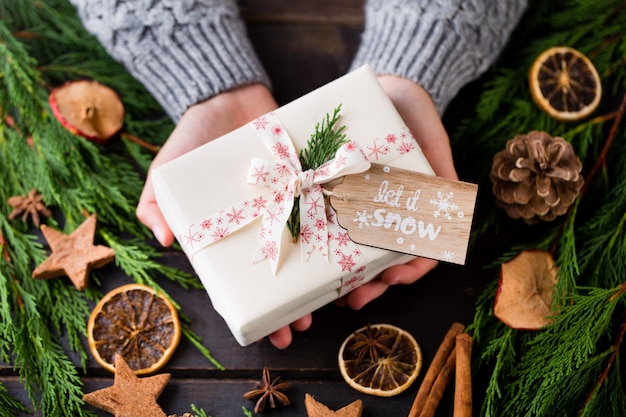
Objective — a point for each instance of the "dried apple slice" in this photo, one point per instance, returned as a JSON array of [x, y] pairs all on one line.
[[525, 290], [88, 108]]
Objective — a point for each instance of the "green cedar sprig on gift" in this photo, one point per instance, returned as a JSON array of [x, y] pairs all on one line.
[[571, 367], [320, 148]]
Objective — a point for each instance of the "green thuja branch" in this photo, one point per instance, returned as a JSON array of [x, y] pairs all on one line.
[[8, 405], [571, 367], [43, 44], [320, 148]]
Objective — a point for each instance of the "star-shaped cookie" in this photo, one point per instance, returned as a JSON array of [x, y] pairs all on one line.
[[74, 255], [317, 409], [130, 396]]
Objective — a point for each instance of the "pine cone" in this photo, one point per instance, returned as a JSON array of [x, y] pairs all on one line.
[[537, 177]]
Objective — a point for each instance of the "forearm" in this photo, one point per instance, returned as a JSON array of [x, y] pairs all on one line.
[[441, 45], [183, 54]]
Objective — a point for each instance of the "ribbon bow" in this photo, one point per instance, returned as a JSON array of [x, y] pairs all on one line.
[[319, 229], [284, 175]]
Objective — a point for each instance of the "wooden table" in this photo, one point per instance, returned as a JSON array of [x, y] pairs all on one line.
[[303, 45], [425, 309]]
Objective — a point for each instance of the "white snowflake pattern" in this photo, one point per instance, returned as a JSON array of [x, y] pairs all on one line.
[[447, 256], [362, 218], [444, 206]]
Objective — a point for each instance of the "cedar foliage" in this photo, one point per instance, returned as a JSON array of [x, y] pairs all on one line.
[[43, 44], [573, 367]]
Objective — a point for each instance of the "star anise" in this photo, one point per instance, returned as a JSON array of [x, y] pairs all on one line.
[[268, 391], [28, 205], [372, 342]]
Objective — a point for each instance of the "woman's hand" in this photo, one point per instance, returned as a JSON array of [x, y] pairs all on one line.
[[421, 117], [200, 124]]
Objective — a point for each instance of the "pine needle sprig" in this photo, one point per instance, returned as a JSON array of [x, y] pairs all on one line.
[[567, 368], [324, 142], [44, 44], [320, 148], [10, 406]]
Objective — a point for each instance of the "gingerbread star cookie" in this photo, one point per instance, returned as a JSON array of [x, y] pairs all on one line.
[[317, 409], [74, 255], [130, 396]]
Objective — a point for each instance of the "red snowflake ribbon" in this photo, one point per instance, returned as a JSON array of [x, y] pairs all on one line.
[[319, 229]]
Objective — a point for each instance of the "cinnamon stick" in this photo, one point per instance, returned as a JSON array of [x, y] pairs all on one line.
[[463, 379], [439, 361], [439, 386]]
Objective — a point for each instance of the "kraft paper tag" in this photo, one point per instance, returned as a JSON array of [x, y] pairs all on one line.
[[407, 211]]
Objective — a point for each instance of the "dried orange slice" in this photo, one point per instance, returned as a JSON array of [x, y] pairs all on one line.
[[380, 359], [137, 323], [565, 84]]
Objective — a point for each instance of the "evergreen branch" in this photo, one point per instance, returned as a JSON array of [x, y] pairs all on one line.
[[615, 349], [8, 405], [198, 412], [320, 148], [601, 160], [197, 342]]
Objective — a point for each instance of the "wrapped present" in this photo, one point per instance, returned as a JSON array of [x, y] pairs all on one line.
[[227, 203]]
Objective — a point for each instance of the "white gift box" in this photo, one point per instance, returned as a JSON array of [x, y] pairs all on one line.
[[253, 300]]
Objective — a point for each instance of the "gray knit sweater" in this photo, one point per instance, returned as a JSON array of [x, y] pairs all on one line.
[[185, 51]]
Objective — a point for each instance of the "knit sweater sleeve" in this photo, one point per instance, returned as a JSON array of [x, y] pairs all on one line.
[[440, 44], [183, 51]]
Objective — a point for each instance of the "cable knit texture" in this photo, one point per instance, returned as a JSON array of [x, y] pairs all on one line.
[[183, 51], [440, 44]]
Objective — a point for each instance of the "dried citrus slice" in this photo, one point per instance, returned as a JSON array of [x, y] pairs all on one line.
[[137, 323], [565, 84], [380, 359]]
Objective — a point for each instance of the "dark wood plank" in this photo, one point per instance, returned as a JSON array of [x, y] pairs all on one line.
[[303, 45], [346, 12], [426, 309]]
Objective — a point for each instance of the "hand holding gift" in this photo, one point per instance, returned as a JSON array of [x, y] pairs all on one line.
[[420, 115], [192, 132]]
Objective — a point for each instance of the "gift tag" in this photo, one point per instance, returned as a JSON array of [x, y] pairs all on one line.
[[407, 211]]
